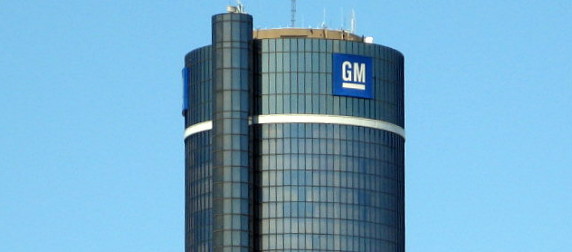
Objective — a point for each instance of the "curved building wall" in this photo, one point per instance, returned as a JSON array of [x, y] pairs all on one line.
[[296, 77], [198, 64], [232, 85], [327, 186], [198, 152]]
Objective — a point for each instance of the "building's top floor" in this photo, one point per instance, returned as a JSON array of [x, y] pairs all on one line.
[[309, 33], [319, 33]]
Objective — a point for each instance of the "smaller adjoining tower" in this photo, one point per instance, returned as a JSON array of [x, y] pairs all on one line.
[[232, 176]]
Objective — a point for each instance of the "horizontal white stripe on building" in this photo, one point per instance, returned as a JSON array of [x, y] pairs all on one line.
[[353, 86], [308, 118], [198, 127]]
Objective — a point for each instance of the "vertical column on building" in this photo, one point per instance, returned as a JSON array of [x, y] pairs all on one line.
[[232, 176]]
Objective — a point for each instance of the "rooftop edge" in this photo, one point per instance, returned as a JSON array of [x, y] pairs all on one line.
[[309, 33]]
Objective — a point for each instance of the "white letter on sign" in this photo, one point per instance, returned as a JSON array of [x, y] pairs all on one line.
[[347, 71], [359, 72]]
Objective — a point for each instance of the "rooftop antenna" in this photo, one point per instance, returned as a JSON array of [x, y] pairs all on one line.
[[240, 6], [323, 25], [342, 26], [293, 14], [353, 22]]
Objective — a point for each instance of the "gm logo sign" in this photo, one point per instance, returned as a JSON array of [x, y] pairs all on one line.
[[352, 75]]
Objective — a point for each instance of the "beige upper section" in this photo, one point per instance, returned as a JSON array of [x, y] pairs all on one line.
[[306, 33]]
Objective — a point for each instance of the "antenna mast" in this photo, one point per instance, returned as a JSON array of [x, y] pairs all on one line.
[[240, 6], [323, 25], [353, 22], [293, 14]]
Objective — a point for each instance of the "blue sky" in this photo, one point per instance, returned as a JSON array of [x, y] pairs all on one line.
[[91, 149]]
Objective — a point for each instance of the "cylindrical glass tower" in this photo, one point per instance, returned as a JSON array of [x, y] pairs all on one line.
[[302, 149]]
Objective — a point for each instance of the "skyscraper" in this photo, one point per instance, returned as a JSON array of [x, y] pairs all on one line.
[[294, 140]]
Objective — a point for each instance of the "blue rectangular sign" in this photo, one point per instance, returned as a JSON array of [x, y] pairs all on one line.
[[186, 83], [353, 75]]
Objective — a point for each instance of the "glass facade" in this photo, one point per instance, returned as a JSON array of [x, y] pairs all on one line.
[[198, 191], [290, 186], [294, 77], [198, 153], [328, 187], [232, 173]]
